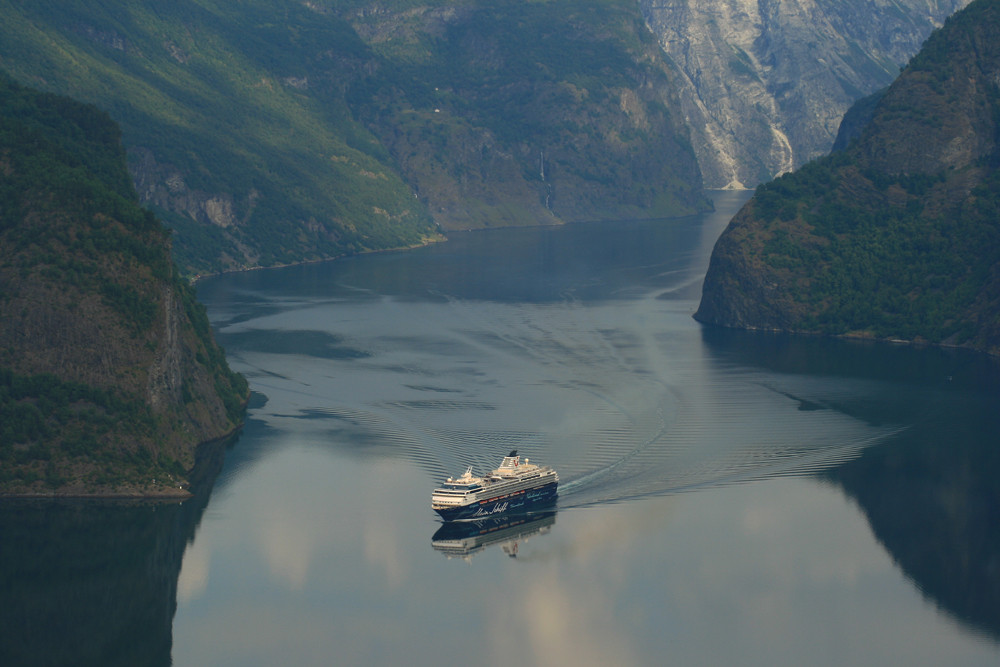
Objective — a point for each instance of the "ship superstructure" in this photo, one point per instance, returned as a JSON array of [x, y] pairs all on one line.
[[512, 487]]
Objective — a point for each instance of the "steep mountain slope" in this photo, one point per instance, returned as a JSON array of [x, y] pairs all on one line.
[[898, 236], [274, 131], [109, 377], [506, 112], [229, 140], [765, 82]]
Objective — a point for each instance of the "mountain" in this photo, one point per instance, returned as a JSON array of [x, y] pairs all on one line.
[[268, 132], [109, 376], [505, 112], [229, 140], [898, 235], [764, 83]]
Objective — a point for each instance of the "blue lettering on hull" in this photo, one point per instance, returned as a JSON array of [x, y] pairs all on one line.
[[520, 501]]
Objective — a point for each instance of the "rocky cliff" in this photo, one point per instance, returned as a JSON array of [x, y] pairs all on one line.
[[765, 82], [897, 236], [109, 377]]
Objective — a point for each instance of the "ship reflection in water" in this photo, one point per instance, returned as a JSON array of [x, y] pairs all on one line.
[[465, 539]]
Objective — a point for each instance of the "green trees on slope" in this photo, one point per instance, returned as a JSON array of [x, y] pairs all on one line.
[[896, 236], [91, 310]]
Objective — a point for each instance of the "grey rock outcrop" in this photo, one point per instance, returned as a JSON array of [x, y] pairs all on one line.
[[163, 186], [766, 82]]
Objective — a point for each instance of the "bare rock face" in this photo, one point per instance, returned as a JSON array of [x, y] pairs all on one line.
[[766, 82], [163, 185], [166, 379]]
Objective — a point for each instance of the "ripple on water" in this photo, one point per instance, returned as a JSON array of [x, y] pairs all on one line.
[[620, 397]]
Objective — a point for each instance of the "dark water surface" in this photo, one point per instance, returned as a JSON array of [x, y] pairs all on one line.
[[726, 497]]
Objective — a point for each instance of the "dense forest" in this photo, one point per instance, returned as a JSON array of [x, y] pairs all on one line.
[[898, 235], [109, 376]]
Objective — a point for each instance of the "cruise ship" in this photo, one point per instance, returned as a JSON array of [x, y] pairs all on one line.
[[513, 487]]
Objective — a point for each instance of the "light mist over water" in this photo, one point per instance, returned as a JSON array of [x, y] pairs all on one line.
[[726, 497], [376, 377], [575, 346]]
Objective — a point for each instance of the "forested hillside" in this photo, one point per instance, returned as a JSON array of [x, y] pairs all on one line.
[[109, 376], [896, 237], [249, 160], [268, 132]]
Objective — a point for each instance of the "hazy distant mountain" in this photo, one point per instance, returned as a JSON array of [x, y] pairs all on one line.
[[109, 376], [503, 112], [275, 131], [765, 82], [898, 236]]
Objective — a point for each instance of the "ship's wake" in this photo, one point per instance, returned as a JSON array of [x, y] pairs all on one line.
[[623, 398]]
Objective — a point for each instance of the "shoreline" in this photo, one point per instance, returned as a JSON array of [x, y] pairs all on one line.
[[858, 338], [209, 457], [442, 237], [195, 279]]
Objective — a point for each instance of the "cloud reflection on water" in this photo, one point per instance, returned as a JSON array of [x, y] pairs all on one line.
[[323, 514]]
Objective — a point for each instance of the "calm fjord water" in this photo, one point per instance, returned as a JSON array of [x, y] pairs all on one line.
[[726, 497]]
